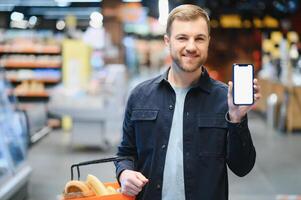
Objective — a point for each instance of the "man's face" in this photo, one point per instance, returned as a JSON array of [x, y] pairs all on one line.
[[188, 43]]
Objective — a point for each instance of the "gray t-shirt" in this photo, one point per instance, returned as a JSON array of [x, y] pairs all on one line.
[[173, 176]]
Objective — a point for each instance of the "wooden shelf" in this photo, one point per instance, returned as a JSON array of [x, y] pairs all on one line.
[[22, 64], [30, 50], [29, 94], [44, 80]]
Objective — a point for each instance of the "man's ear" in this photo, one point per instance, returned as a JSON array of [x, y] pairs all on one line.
[[166, 40]]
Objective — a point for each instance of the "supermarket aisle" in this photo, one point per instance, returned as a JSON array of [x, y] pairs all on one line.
[[277, 170]]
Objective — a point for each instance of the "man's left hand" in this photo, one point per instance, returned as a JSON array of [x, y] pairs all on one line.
[[236, 113]]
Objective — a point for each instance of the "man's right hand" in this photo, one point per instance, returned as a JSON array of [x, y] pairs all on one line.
[[132, 182]]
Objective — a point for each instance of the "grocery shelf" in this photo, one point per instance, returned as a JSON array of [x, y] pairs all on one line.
[[34, 50], [29, 94], [43, 80], [22, 64], [32, 61]]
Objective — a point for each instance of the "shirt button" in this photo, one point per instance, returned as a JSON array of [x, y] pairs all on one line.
[[187, 153], [163, 146], [158, 186], [170, 107], [187, 114]]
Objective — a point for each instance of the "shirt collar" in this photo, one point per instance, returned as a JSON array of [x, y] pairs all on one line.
[[203, 83]]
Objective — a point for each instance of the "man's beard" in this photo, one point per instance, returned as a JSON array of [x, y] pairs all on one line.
[[181, 67]]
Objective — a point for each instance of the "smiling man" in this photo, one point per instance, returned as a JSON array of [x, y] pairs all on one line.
[[181, 127]]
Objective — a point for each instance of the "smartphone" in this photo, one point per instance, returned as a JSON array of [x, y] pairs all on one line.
[[243, 90]]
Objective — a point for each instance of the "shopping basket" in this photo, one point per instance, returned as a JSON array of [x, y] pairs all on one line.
[[115, 185]]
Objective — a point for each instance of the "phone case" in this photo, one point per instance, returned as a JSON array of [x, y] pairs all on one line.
[[233, 90]]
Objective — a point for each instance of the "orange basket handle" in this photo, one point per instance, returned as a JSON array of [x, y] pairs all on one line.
[[103, 160]]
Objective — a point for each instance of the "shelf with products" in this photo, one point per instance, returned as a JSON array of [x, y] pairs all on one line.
[[30, 49], [30, 88], [29, 94], [280, 80], [32, 61], [47, 76], [44, 80]]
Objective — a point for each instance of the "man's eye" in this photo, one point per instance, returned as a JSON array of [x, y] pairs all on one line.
[[200, 39], [181, 38]]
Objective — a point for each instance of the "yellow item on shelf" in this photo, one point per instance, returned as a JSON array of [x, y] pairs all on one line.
[[66, 123], [292, 36], [276, 37]]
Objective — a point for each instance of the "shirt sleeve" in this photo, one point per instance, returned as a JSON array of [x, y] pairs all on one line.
[[127, 146], [241, 153]]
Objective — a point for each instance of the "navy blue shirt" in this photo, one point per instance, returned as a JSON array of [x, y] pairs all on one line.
[[210, 141]]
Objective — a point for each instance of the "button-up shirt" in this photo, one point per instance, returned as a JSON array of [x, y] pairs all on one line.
[[210, 141]]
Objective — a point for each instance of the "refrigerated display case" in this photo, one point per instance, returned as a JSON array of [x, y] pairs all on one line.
[[14, 171]]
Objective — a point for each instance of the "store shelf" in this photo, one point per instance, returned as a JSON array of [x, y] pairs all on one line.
[[44, 80], [21, 64], [30, 50], [29, 94], [32, 62]]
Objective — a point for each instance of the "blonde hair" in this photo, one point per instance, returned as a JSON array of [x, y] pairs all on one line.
[[187, 12]]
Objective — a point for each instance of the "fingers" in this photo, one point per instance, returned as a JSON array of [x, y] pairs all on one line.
[[230, 87], [130, 189], [230, 84], [257, 97], [141, 178], [129, 192], [132, 182], [257, 94], [256, 86]]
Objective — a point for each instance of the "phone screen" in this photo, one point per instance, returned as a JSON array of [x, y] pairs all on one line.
[[243, 93]]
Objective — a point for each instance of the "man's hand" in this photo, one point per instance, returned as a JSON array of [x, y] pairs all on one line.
[[236, 113], [132, 182]]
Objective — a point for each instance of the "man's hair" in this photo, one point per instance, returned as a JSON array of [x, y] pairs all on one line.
[[187, 12]]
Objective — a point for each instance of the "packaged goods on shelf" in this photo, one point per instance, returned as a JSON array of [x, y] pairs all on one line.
[[32, 56]]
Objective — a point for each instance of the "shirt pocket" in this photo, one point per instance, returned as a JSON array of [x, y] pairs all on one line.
[[145, 122], [144, 115], [212, 135]]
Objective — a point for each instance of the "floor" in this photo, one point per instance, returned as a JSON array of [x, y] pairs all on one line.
[[277, 170]]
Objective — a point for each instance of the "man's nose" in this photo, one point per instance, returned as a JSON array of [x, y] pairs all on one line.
[[191, 45]]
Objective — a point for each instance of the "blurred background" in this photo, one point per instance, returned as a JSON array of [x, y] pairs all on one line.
[[67, 66]]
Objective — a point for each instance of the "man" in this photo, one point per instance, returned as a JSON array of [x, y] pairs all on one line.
[[182, 128]]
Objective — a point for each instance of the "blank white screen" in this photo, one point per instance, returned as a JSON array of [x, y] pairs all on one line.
[[243, 84]]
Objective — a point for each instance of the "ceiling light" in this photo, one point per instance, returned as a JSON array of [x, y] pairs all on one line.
[[96, 16], [60, 25], [129, 1], [63, 4], [75, 1], [17, 16], [33, 20], [95, 24]]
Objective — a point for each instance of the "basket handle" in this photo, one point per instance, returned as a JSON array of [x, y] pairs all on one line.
[[104, 160]]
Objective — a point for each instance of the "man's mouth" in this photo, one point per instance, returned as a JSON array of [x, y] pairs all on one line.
[[190, 56]]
